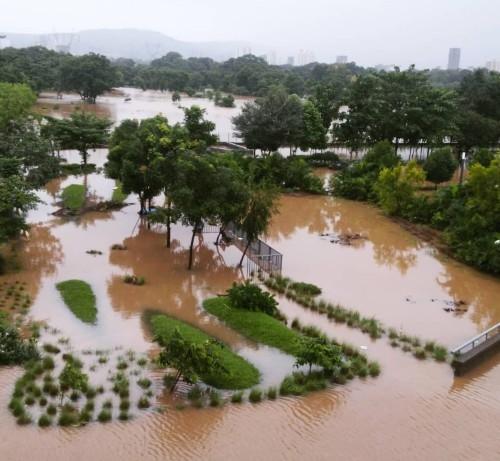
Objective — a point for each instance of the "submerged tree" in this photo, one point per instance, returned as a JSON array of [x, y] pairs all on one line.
[[89, 75], [190, 360], [317, 351], [260, 209], [82, 131]]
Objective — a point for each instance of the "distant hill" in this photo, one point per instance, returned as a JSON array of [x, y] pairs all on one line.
[[142, 45]]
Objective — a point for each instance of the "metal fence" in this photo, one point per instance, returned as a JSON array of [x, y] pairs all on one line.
[[260, 253]]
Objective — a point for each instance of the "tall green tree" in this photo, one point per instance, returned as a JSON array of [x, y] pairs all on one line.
[[200, 131], [89, 75], [16, 101], [81, 131], [132, 155]]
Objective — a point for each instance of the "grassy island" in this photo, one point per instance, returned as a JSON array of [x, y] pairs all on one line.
[[80, 298]]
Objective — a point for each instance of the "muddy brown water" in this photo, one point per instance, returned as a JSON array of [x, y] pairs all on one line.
[[413, 410]]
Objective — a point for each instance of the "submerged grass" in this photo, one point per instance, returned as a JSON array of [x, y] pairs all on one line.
[[118, 195], [241, 374], [304, 294], [79, 297], [257, 326], [73, 197]]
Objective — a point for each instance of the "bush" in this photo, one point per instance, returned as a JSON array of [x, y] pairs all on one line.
[[237, 397], [215, 398], [68, 418], [44, 421], [305, 289], [420, 353], [104, 416], [374, 369], [15, 350], [440, 353], [440, 165], [250, 297], [143, 403], [272, 393], [255, 395], [51, 409]]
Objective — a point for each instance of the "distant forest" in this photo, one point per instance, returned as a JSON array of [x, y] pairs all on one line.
[[248, 75]]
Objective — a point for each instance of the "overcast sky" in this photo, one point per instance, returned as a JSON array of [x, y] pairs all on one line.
[[368, 31]]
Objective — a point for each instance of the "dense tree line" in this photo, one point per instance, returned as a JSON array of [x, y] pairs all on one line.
[[468, 215]]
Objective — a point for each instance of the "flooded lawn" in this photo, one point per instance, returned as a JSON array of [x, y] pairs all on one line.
[[413, 410]]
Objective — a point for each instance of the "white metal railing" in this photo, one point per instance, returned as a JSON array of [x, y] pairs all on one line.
[[477, 340]]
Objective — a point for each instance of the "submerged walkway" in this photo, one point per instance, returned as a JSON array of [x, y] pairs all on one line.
[[472, 351]]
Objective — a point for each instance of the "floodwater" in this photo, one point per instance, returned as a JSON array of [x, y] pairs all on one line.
[[413, 410], [144, 104]]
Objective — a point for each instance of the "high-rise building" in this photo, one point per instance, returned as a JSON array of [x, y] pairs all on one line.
[[493, 65], [341, 59], [305, 57], [271, 58], [454, 59], [290, 61]]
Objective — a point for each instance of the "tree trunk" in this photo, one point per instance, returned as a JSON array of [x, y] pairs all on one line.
[[142, 203], [221, 230], [190, 265], [243, 255], [169, 207], [174, 385]]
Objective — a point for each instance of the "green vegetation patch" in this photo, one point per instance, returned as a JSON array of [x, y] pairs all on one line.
[[118, 195], [257, 326], [80, 298], [241, 374], [73, 197]]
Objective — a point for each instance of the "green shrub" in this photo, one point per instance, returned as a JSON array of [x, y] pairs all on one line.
[[24, 419], [272, 393], [144, 383], [44, 420], [124, 404], [123, 416], [15, 350], [51, 349], [68, 418], [89, 406], [52, 409], [215, 398], [43, 402], [48, 363], [255, 395], [374, 369], [237, 397], [194, 393], [143, 403], [420, 353], [250, 297], [17, 407], [305, 289], [104, 416], [440, 353], [108, 404]]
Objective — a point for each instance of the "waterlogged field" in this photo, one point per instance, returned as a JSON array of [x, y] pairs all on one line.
[[413, 410]]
